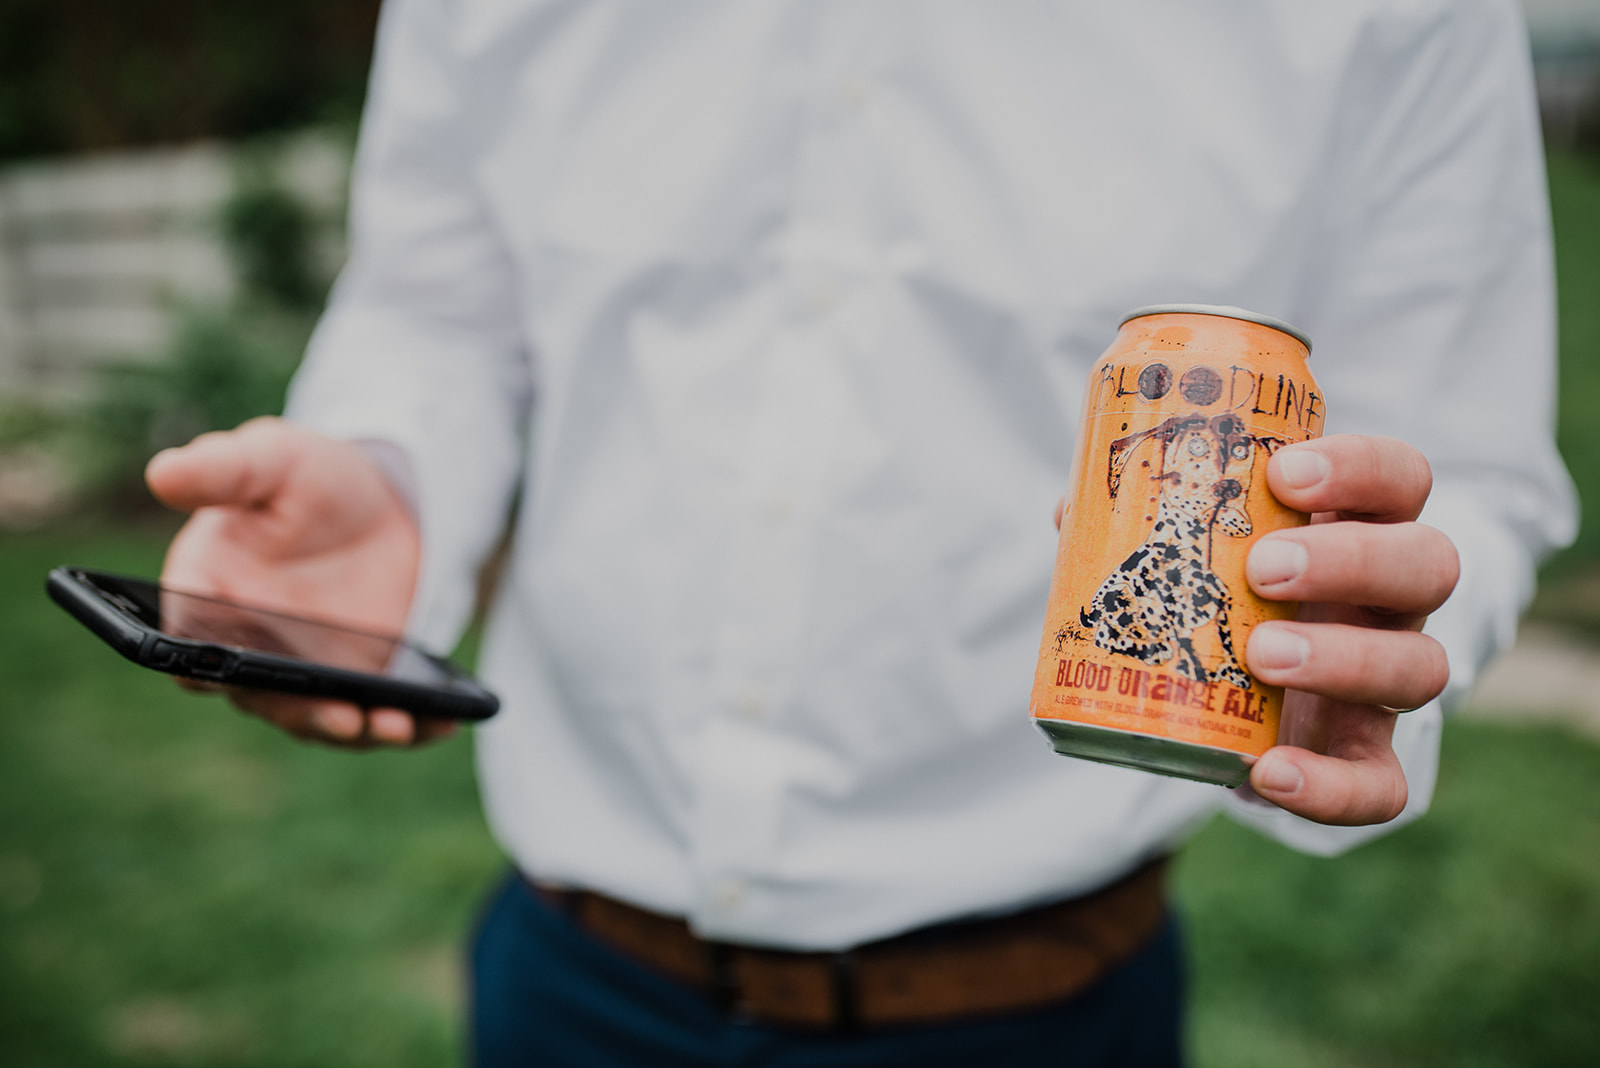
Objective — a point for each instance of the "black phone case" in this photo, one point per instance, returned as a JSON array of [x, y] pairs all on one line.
[[233, 666]]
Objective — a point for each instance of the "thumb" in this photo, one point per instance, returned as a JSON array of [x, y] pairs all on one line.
[[1364, 788], [244, 467]]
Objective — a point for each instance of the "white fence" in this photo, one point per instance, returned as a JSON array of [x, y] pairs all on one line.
[[95, 253]]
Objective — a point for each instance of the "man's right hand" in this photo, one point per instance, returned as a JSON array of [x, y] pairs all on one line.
[[286, 518]]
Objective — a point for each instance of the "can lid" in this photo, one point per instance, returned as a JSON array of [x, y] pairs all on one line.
[[1225, 310]]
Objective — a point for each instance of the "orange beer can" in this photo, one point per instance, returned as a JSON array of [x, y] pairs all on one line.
[[1142, 662]]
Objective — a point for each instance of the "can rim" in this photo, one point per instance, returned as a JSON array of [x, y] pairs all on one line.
[[1227, 311]]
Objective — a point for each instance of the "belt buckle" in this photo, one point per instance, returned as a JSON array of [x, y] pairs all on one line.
[[846, 1000], [746, 988], [724, 982]]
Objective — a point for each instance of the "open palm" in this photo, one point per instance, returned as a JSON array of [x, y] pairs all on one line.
[[286, 518]]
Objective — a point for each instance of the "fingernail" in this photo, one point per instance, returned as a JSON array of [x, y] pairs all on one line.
[[394, 728], [337, 722], [1302, 468], [1278, 776], [1276, 560], [1278, 648]]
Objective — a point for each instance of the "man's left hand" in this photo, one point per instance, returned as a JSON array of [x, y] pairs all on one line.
[[1367, 576]]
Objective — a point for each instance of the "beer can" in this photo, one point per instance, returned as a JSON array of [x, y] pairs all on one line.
[[1142, 662]]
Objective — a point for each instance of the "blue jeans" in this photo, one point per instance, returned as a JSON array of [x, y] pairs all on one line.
[[545, 992]]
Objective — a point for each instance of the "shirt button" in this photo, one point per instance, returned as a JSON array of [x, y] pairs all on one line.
[[822, 298], [751, 706], [779, 507], [731, 894], [855, 93]]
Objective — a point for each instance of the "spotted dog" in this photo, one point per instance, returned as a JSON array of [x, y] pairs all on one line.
[[1151, 605]]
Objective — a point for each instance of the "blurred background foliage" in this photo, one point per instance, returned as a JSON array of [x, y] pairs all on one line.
[[82, 77], [180, 885], [89, 75], [225, 364], [1575, 205]]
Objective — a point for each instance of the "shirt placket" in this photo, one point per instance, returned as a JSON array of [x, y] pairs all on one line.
[[747, 759]]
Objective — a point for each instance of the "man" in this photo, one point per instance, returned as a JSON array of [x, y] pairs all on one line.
[[777, 316]]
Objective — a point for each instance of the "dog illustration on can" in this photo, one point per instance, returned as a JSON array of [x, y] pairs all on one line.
[[1151, 604], [1168, 492]]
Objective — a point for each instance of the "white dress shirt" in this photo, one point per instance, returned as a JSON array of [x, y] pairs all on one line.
[[777, 315]]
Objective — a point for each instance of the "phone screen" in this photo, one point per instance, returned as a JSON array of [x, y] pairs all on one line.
[[220, 622]]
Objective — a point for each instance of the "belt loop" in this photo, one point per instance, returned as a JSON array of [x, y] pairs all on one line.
[[846, 1000], [724, 984]]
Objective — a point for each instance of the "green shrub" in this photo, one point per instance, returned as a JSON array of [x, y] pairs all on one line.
[[270, 236], [225, 363], [224, 366], [24, 423]]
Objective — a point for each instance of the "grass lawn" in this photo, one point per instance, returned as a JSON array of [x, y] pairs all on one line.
[[180, 885], [1575, 205], [1571, 592], [1469, 938]]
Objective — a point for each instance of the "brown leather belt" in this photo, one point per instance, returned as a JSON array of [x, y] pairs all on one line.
[[955, 971]]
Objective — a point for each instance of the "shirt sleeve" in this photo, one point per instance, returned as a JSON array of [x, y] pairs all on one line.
[[420, 347], [1433, 316]]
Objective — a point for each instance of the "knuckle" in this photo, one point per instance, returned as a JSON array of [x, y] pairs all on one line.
[[1348, 806], [1407, 463], [1373, 794], [1392, 476], [261, 424], [1363, 547], [1397, 795], [1436, 672], [1416, 668], [1360, 652], [210, 437], [1364, 459], [1389, 804], [1447, 563], [1403, 462], [1429, 564], [1423, 475]]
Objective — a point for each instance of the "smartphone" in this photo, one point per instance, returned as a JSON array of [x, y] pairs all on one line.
[[221, 641]]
